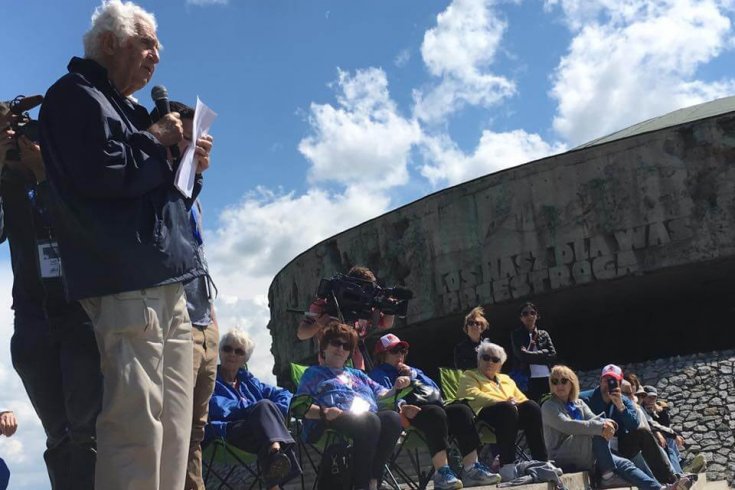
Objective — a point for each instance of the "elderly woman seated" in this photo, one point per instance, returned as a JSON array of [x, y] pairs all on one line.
[[250, 414], [425, 410], [496, 400], [346, 400], [577, 440]]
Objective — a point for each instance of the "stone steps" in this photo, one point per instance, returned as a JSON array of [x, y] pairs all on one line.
[[573, 481]]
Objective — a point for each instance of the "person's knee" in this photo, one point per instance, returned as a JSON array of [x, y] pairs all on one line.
[[434, 415], [507, 411], [265, 405]]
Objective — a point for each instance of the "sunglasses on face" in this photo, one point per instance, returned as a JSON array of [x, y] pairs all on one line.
[[398, 350], [489, 358], [528, 313], [340, 343], [562, 381], [228, 349]]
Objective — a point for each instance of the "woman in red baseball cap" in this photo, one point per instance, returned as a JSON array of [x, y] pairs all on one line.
[[424, 409]]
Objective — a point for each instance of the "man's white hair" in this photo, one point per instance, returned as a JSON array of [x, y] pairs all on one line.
[[120, 18]]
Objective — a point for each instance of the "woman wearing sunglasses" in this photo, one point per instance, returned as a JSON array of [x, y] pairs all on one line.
[[577, 440], [496, 399], [424, 409], [533, 352], [475, 329], [346, 400], [250, 414]]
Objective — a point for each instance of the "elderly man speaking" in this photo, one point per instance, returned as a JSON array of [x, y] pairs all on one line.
[[126, 245]]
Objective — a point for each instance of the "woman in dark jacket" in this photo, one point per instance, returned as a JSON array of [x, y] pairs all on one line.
[[533, 352], [250, 414], [475, 329]]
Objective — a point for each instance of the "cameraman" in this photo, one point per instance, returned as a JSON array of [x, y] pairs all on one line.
[[317, 318], [53, 348]]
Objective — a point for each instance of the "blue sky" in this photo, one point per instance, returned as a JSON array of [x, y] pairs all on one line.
[[333, 112]]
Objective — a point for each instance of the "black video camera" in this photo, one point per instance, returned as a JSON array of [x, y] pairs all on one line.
[[22, 124], [355, 298]]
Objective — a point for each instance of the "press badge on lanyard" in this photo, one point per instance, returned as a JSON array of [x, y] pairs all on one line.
[[49, 262]]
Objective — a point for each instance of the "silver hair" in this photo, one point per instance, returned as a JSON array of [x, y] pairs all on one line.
[[238, 338], [487, 347], [120, 18]]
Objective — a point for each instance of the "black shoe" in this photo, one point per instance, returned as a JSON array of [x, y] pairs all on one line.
[[277, 466]]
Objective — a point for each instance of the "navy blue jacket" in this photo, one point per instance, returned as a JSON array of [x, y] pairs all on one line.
[[230, 405], [120, 223], [627, 420]]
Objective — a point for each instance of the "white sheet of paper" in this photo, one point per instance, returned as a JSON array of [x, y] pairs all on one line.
[[203, 119]]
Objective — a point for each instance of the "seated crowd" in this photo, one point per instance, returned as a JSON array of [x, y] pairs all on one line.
[[619, 430]]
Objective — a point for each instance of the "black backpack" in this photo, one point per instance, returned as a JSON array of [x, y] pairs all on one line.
[[335, 471]]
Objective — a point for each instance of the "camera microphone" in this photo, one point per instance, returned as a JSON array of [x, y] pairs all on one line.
[[159, 94]]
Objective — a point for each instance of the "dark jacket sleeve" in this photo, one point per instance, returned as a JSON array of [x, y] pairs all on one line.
[[628, 418], [101, 158], [380, 376], [3, 236], [545, 355]]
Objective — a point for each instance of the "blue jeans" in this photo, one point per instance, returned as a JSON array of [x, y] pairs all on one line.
[[607, 461], [672, 451], [59, 365]]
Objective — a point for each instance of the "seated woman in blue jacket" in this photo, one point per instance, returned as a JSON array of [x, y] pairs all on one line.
[[250, 414], [424, 409]]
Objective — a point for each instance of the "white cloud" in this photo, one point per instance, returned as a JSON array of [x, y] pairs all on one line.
[[363, 140], [460, 50], [257, 237], [449, 165], [402, 58], [635, 59], [23, 452]]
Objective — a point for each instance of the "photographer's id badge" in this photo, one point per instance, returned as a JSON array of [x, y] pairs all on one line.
[[49, 262]]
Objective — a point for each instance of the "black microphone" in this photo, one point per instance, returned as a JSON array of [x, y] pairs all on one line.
[[159, 94]]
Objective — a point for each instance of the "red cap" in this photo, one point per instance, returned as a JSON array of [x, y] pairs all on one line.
[[388, 342], [613, 371]]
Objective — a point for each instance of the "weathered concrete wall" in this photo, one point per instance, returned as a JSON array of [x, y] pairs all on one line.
[[594, 222], [701, 393]]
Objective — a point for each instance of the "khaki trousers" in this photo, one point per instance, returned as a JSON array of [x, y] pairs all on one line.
[[143, 430], [205, 373]]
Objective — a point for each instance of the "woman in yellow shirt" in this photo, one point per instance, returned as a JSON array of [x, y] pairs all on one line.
[[496, 399]]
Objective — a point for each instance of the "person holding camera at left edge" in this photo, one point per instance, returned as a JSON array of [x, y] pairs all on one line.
[[53, 347], [317, 318], [127, 245]]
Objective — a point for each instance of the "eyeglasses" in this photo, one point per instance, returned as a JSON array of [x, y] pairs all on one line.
[[528, 312], [339, 343], [475, 323], [562, 381], [398, 350], [227, 349], [489, 358]]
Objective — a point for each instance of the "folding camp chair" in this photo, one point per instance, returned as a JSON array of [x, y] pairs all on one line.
[[227, 467], [449, 382]]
